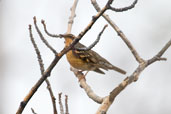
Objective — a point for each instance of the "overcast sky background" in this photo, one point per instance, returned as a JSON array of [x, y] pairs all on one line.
[[147, 26]]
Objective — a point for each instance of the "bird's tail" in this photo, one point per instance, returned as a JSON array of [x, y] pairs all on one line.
[[118, 70], [99, 71]]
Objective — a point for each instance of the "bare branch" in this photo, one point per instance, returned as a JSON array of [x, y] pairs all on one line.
[[86, 87], [46, 31], [94, 19], [66, 105], [71, 18], [134, 77], [60, 103], [40, 60], [33, 111], [94, 43], [160, 53], [120, 33], [42, 79], [37, 51], [130, 46], [104, 106], [121, 9], [42, 37], [52, 96], [96, 6]]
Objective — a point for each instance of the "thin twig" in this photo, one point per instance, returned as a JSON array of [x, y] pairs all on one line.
[[42, 37], [33, 111], [40, 60], [60, 103], [52, 96], [66, 105], [46, 31], [121, 9], [119, 32], [157, 57], [94, 43]]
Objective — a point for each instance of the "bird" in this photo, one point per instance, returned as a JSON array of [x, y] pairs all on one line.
[[87, 60]]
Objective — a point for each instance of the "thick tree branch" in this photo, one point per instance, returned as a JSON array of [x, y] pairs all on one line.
[[86, 87]]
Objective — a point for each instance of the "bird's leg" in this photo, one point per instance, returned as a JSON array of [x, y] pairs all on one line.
[[86, 73], [83, 75], [79, 73]]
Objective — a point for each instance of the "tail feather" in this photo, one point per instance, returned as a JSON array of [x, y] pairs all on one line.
[[118, 70], [99, 71]]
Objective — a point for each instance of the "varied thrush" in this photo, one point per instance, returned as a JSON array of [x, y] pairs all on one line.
[[87, 60]]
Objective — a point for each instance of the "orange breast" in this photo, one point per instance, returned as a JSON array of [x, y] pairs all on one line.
[[77, 62]]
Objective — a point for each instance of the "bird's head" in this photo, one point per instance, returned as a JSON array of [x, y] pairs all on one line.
[[68, 38]]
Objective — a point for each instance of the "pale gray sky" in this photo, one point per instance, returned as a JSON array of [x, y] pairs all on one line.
[[147, 26]]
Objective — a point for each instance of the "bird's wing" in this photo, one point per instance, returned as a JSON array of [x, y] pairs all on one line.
[[85, 55], [92, 57]]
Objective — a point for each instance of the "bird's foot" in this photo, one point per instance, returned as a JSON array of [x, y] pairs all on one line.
[[81, 76]]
